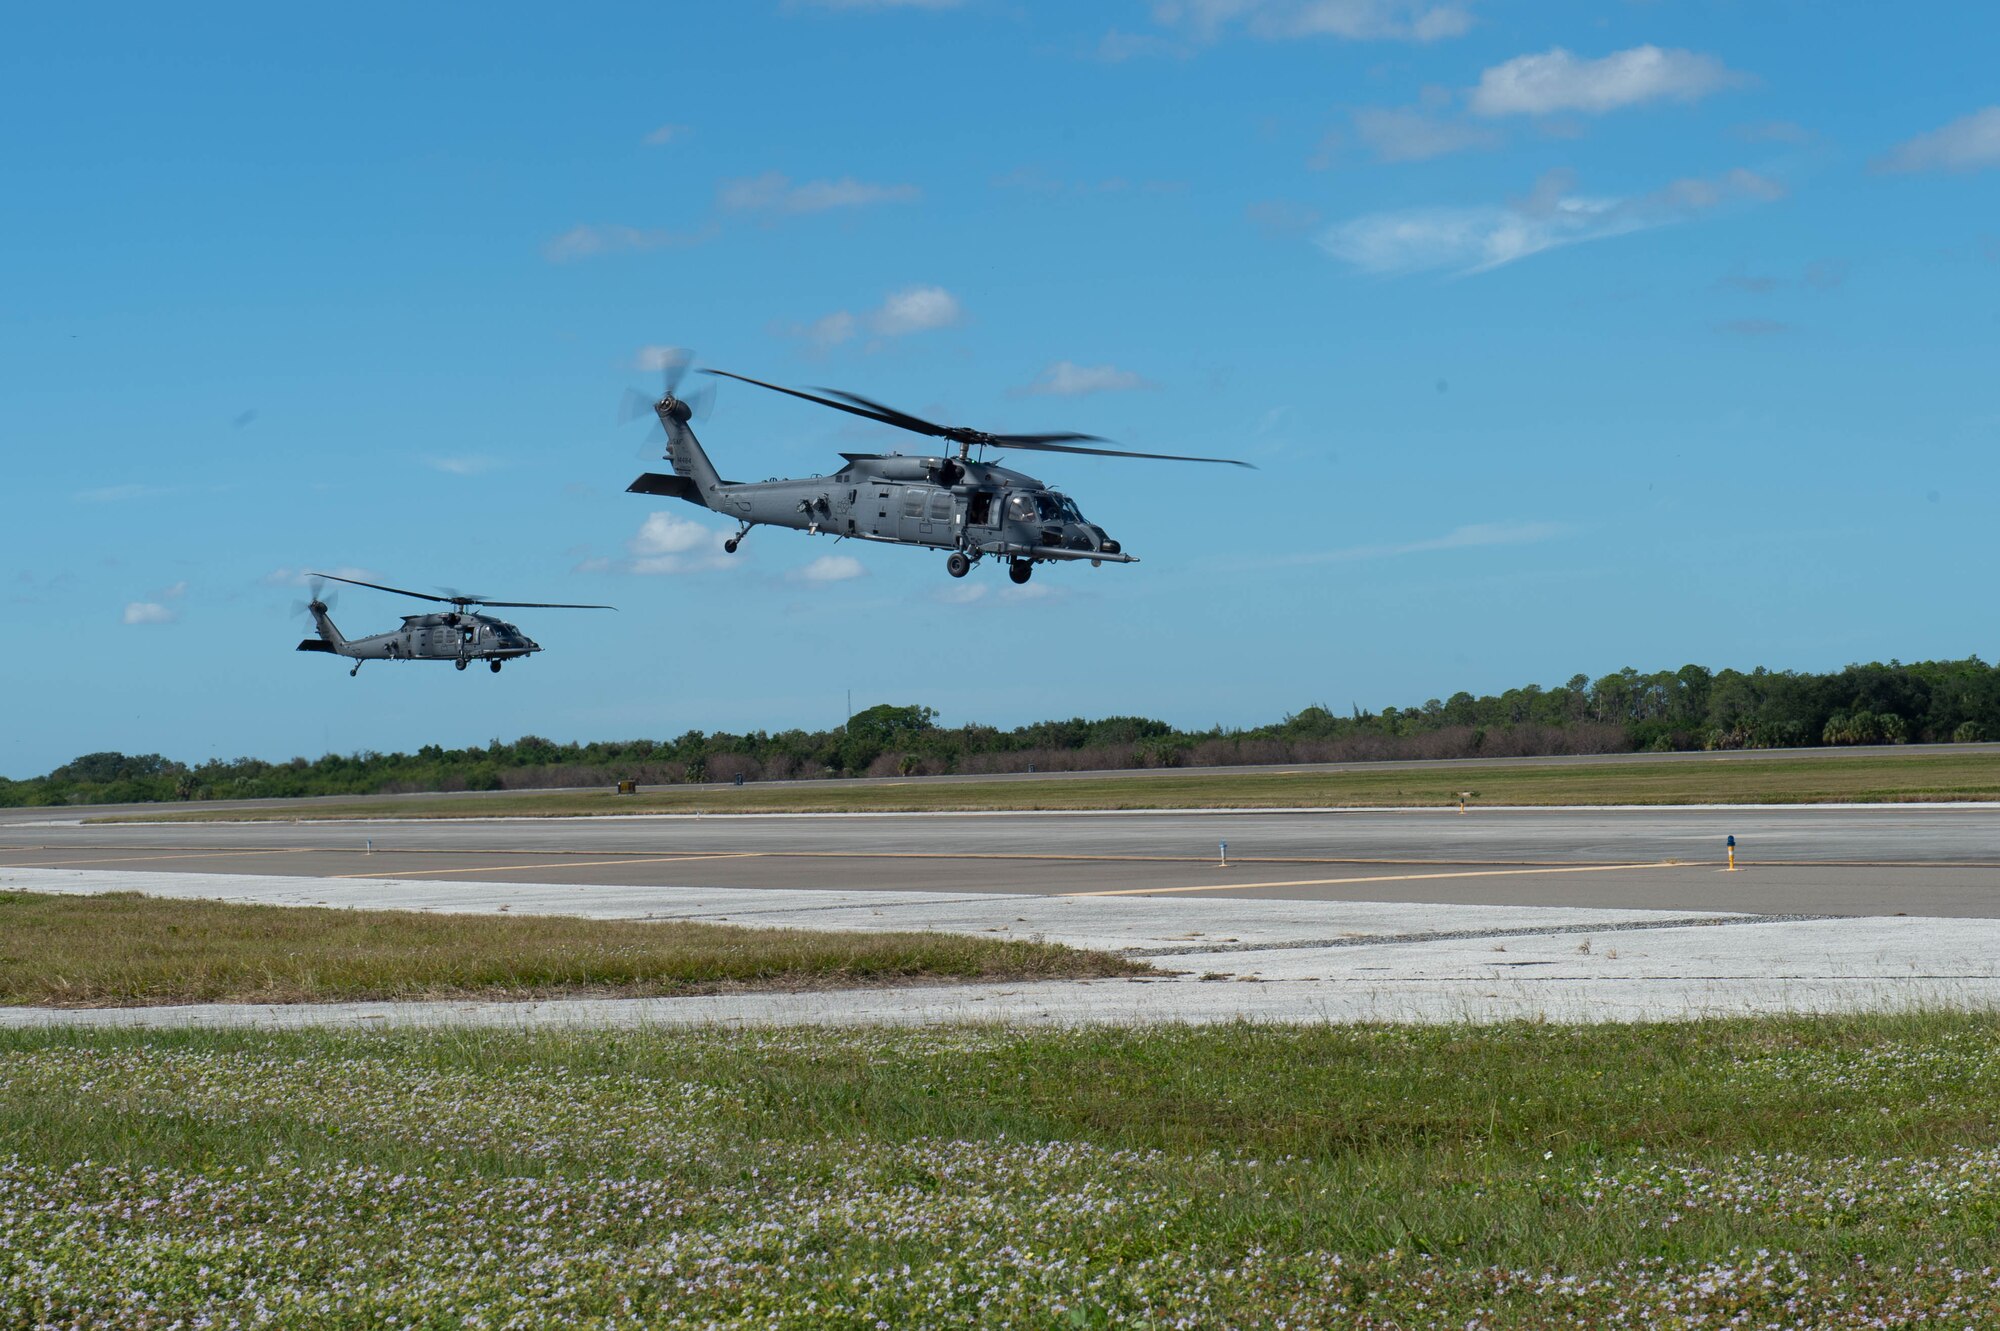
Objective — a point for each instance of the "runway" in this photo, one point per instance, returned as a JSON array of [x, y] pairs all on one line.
[[1350, 915], [1929, 860]]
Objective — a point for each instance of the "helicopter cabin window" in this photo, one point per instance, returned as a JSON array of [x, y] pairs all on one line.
[[913, 503], [941, 505], [1020, 508], [979, 510]]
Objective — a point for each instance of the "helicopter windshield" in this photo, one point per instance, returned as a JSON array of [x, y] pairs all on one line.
[[1070, 512], [1050, 507]]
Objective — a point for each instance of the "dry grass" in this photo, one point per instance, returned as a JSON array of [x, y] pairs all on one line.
[[1930, 774], [127, 949]]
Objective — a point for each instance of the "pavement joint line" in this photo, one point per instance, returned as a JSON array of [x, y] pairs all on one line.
[[142, 859], [1472, 935], [584, 864], [923, 899], [1929, 807], [1379, 878]]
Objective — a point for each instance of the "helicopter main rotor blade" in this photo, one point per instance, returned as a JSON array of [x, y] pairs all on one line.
[[892, 415], [1043, 445], [886, 416], [421, 596], [544, 605]]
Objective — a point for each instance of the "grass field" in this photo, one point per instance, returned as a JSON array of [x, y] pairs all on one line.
[[1798, 1173], [1936, 773], [123, 948]]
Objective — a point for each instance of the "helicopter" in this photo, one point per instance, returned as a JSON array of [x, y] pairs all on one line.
[[956, 502], [457, 635]]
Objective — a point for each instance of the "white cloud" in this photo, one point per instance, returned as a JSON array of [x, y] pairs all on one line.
[[666, 134], [1476, 535], [1355, 20], [1555, 80], [670, 544], [148, 612], [470, 464], [299, 577], [585, 241], [1412, 136], [657, 358], [916, 310], [911, 310], [774, 192], [831, 330], [1966, 144], [830, 568], [1068, 379], [1472, 240], [175, 592]]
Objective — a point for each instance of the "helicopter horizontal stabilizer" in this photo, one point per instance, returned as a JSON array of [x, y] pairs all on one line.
[[315, 645], [674, 487]]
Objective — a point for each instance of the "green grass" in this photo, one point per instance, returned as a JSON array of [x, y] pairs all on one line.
[[1920, 774], [1802, 1172], [123, 948]]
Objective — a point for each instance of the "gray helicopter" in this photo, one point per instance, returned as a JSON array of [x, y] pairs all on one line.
[[457, 635], [959, 503]]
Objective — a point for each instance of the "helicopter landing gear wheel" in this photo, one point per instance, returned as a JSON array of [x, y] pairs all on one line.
[[460, 663], [357, 670], [729, 546], [957, 565], [494, 666], [1021, 570]]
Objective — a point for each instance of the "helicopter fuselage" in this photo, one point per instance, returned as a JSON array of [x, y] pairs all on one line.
[[976, 508], [460, 637]]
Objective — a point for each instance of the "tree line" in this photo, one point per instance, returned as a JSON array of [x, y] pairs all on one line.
[[1690, 708]]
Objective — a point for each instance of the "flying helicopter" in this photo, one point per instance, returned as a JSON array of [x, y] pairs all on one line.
[[956, 501], [458, 635]]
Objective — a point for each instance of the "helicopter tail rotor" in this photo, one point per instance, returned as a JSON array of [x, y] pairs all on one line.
[[322, 600], [673, 364]]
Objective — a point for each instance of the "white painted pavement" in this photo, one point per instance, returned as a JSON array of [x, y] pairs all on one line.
[[1232, 959]]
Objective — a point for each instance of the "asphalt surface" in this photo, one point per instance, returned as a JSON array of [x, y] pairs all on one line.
[[418, 798], [1920, 860]]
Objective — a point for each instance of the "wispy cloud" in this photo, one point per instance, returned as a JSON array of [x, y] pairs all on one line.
[[774, 192], [1282, 217], [1406, 135], [299, 577], [118, 494], [1473, 536], [470, 464], [1753, 327], [854, 5], [1556, 81], [665, 134], [1068, 379], [830, 568], [586, 241], [1970, 143], [1473, 240], [1354, 20], [148, 612]]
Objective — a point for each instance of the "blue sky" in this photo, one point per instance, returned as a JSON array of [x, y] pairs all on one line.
[[1564, 337]]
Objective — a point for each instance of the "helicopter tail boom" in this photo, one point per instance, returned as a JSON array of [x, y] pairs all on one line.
[[330, 636], [684, 451]]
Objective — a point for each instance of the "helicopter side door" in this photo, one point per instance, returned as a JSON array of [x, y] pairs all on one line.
[[982, 517]]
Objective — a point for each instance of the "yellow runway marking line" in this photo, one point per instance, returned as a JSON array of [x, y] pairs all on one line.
[[1377, 878], [544, 864]]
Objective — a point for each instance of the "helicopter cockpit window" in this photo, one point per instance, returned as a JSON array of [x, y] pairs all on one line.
[[1020, 508], [1049, 507], [1070, 512]]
